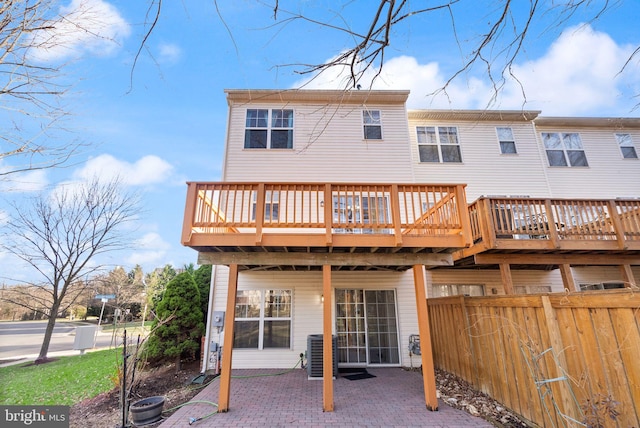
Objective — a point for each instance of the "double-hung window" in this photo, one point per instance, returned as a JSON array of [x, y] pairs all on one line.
[[507, 142], [564, 149], [372, 124], [626, 146], [263, 319], [438, 144], [268, 129]]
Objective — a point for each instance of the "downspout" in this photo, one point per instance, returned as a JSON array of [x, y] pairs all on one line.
[[207, 335]]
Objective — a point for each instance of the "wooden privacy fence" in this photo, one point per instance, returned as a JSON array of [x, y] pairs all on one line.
[[555, 359]]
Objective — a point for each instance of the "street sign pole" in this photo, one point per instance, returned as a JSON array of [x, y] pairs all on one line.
[[104, 300]]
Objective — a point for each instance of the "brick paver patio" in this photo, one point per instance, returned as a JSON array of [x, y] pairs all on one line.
[[394, 398]]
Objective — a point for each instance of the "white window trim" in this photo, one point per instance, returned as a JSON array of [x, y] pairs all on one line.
[[269, 128], [513, 140], [379, 125], [261, 319], [439, 144], [631, 145], [564, 150]]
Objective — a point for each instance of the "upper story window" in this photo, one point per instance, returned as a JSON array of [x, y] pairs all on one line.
[[626, 146], [438, 144], [507, 142], [564, 149], [372, 125], [268, 129]]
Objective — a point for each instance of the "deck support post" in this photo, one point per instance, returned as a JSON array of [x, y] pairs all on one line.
[[428, 370], [507, 279], [567, 278], [627, 275], [327, 342], [227, 350]]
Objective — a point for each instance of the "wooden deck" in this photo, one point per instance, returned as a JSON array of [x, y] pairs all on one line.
[[356, 226], [555, 231]]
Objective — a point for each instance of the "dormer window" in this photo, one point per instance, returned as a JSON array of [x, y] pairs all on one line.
[[268, 129]]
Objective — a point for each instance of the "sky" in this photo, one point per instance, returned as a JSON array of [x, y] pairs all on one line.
[[162, 123]]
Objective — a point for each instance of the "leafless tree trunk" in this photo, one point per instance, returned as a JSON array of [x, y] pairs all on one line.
[[62, 232]]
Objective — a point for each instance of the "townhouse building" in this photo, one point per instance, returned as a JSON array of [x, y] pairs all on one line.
[[339, 213]]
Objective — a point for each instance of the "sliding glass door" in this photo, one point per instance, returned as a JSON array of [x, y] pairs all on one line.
[[367, 327]]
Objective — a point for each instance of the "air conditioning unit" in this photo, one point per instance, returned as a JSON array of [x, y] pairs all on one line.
[[315, 358]]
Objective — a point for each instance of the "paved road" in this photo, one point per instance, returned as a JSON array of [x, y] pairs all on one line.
[[24, 338]]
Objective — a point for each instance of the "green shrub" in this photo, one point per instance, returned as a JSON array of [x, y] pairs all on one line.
[[178, 328]]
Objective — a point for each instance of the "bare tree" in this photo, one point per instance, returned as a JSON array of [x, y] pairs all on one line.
[[32, 80], [60, 235], [503, 27]]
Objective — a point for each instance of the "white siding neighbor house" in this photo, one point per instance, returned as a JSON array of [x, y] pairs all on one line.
[[340, 213]]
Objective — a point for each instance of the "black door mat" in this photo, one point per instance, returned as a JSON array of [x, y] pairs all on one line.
[[352, 370], [359, 376]]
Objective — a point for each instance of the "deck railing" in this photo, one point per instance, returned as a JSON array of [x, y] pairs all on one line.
[[555, 219], [373, 209]]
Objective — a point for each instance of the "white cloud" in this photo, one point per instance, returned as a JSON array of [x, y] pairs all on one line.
[[169, 53], [151, 249], [578, 75], [23, 182], [4, 217], [83, 26], [147, 170]]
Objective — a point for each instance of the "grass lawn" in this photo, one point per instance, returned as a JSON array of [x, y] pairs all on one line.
[[63, 382]]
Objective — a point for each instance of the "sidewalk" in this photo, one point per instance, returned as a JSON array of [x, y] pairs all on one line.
[[20, 359]]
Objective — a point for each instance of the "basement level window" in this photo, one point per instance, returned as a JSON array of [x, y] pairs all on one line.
[[263, 319], [444, 290], [611, 285], [531, 289]]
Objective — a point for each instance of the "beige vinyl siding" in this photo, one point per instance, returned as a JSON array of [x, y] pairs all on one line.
[[598, 274], [307, 308], [484, 169], [491, 279], [608, 175], [328, 146]]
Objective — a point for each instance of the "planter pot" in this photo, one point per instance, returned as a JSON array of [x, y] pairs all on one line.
[[147, 411]]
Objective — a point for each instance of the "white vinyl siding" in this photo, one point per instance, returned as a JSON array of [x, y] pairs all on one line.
[[329, 146], [608, 176], [485, 170], [307, 308]]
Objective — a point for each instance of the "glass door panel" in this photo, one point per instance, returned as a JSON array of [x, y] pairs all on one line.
[[350, 327], [382, 330], [366, 325]]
